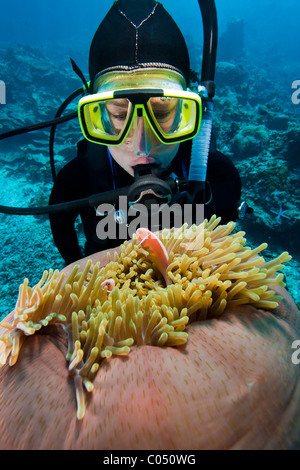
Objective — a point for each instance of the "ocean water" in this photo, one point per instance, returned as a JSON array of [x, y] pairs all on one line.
[[256, 118]]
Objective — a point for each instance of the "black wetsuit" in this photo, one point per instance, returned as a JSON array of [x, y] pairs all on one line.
[[93, 171]]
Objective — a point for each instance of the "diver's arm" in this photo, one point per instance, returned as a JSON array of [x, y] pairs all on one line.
[[62, 224], [64, 235], [226, 186]]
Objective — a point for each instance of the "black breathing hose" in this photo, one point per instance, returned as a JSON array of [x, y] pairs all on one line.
[[36, 127], [210, 36], [92, 201]]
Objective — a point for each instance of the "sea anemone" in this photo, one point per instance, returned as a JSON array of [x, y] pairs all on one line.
[[210, 268]]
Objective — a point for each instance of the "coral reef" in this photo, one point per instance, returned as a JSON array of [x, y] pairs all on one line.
[[257, 126], [249, 141]]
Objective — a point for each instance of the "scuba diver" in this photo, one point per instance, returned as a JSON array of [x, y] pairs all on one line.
[[137, 47], [146, 119]]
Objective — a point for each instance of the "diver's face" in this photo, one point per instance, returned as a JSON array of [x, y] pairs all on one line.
[[141, 145]]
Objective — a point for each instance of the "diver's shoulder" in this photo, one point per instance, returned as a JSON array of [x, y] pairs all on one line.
[[86, 148], [215, 156], [220, 166]]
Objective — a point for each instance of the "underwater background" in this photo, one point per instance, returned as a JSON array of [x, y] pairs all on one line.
[[256, 118]]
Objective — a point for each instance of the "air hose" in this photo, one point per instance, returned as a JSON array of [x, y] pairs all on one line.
[[201, 143]]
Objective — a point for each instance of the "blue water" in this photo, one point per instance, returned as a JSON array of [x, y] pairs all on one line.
[[39, 36], [270, 24]]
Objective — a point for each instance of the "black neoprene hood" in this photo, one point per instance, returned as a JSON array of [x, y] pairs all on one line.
[[136, 34]]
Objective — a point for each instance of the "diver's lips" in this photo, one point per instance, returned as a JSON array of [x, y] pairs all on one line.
[[143, 160]]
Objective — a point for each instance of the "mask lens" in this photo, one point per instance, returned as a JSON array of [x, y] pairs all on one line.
[[107, 120], [173, 117]]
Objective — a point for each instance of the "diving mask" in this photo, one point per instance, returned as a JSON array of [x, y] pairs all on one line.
[[107, 117]]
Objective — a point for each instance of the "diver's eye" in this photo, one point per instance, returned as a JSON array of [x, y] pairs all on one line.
[[163, 117], [118, 117]]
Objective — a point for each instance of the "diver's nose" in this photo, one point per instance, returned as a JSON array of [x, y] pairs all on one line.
[[141, 138]]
